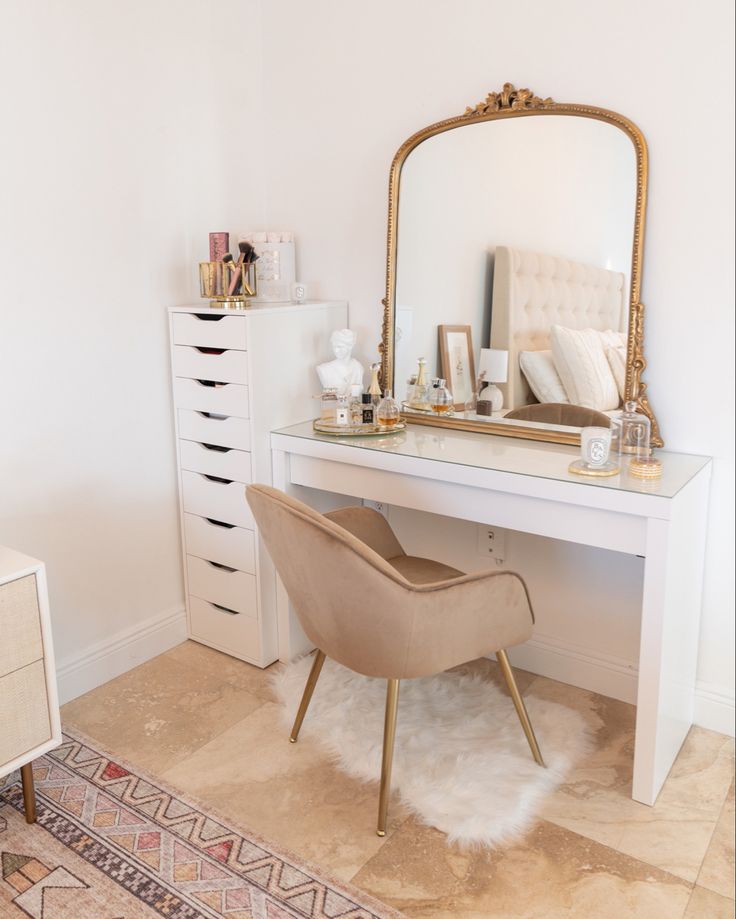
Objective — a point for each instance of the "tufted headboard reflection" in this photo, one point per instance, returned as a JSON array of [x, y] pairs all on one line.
[[532, 292]]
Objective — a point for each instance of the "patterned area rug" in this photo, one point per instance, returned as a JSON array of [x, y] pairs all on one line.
[[112, 844]]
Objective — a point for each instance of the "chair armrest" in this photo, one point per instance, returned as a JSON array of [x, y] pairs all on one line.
[[369, 527]]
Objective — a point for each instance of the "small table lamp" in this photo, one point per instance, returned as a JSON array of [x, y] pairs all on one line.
[[493, 368]]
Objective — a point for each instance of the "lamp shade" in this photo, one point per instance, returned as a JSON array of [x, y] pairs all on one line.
[[494, 363]]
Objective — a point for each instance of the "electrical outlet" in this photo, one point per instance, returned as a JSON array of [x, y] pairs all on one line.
[[492, 542], [379, 506]]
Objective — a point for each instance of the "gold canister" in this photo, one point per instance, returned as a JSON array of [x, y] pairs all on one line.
[[215, 280]]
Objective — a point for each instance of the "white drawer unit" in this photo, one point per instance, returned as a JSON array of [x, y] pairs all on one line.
[[207, 396], [208, 331], [237, 375], [220, 542], [29, 707], [220, 430], [203, 363], [228, 587], [210, 459]]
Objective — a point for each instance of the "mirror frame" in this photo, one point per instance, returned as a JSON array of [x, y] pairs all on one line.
[[522, 103]]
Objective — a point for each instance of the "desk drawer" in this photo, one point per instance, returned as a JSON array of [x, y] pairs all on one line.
[[233, 589], [220, 398], [223, 367], [222, 432], [210, 331], [24, 712], [228, 545], [20, 625], [223, 501], [225, 463], [230, 631]]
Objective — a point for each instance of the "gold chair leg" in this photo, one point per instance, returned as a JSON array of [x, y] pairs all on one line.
[[521, 711], [29, 792], [314, 673], [389, 735]]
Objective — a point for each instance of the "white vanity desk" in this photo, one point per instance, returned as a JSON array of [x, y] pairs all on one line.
[[525, 486]]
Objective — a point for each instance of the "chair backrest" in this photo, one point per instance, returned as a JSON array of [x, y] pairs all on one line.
[[560, 413], [350, 602]]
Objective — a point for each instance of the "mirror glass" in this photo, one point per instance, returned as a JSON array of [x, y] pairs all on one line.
[[513, 260]]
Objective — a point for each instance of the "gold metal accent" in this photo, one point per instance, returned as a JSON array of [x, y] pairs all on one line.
[[521, 711], [603, 472], [29, 792], [357, 430], [522, 103], [389, 735], [646, 468], [307, 696]]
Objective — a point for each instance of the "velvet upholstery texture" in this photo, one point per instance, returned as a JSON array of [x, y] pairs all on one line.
[[576, 416], [367, 605]]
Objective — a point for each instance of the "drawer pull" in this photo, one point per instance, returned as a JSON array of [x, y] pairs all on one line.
[[215, 384], [205, 318], [213, 417], [218, 479], [204, 350], [221, 566], [224, 609], [219, 523], [215, 447]]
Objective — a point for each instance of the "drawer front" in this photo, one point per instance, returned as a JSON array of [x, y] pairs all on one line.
[[231, 632], [222, 432], [235, 590], [20, 625], [220, 398], [210, 331], [224, 501], [24, 712], [224, 462], [227, 367], [227, 545]]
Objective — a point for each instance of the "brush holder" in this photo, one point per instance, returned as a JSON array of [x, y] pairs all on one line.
[[215, 282]]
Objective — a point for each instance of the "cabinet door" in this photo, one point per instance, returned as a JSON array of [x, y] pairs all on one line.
[[20, 624]]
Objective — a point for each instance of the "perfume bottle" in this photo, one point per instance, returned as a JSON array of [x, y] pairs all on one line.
[[375, 388], [421, 389], [328, 405], [356, 404], [411, 385], [342, 412], [369, 409], [631, 433], [440, 397], [388, 412]]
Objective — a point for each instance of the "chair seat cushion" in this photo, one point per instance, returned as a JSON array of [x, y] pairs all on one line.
[[423, 570]]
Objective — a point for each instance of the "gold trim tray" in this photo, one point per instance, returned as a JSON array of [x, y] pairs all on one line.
[[357, 430]]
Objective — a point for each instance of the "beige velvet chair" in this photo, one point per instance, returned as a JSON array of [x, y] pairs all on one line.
[[371, 607]]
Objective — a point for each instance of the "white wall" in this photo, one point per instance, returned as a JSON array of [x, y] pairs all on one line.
[[346, 83], [125, 140]]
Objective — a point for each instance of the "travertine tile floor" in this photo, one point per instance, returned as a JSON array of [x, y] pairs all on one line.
[[208, 724]]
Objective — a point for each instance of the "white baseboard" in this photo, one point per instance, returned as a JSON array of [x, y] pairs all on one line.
[[615, 677], [714, 708], [569, 663], [121, 652]]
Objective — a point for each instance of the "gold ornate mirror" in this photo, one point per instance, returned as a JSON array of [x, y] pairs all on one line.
[[515, 245]]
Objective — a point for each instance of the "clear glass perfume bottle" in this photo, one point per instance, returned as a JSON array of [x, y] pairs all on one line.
[[440, 398], [422, 388], [342, 411], [388, 412], [328, 405], [375, 388], [631, 433]]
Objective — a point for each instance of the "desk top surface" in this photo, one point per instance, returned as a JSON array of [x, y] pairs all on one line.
[[509, 455]]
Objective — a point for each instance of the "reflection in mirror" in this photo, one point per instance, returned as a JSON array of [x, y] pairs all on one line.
[[518, 234]]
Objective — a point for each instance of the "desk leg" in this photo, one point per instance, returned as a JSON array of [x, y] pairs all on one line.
[[670, 626], [291, 638], [29, 792]]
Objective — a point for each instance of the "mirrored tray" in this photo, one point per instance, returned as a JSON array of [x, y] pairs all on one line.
[[357, 430]]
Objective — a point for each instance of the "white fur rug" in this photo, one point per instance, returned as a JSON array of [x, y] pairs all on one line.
[[461, 762]]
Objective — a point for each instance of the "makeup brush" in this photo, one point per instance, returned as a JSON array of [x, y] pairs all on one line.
[[247, 256]]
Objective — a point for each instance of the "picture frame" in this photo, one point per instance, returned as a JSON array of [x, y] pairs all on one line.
[[458, 362]]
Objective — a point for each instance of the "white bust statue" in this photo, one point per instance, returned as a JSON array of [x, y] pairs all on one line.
[[344, 371]]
